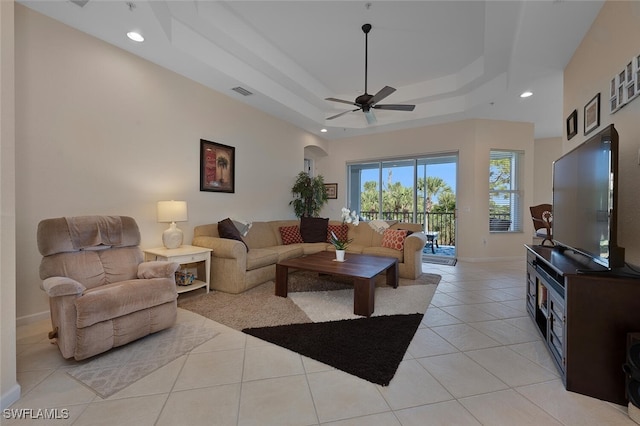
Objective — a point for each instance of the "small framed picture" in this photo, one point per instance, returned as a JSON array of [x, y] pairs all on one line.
[[629, 72], [631, 91], [332, 190], [572, 124], [613, 88], [592, 115]]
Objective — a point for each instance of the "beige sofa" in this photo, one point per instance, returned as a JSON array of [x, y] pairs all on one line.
[[234, 270]]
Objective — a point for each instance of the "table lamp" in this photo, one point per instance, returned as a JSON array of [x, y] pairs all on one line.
[[172, 211]]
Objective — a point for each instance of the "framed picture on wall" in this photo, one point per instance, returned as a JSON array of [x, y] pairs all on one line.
[[217, 167], [592, 114], [332, 190], [572, 124]]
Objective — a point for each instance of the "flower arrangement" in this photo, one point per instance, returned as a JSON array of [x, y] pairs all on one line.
[[348, 216]]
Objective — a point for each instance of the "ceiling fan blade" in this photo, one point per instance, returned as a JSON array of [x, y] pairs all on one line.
[[341, 101], [395, 107], [371, 118], [341, 114], [383, 93]]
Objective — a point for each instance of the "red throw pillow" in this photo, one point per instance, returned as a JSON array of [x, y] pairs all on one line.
[[394, 238], [341, 231], [290, 234]]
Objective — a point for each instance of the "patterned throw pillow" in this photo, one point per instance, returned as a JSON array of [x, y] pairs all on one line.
[[290, 234], [394, 238], [341, 231]]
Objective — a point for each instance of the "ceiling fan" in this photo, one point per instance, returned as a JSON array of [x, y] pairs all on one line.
[[367, 102]]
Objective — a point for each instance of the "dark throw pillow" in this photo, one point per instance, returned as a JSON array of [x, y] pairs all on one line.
[[314, 229], [227, 229]]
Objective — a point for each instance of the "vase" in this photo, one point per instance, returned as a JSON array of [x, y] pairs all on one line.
[[340, 255]]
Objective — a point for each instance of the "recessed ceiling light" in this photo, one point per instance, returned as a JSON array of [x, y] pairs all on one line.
[[323, 130], [526, 94], [135, 36]]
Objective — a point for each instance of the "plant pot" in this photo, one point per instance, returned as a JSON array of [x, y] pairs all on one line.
[[340, 255]]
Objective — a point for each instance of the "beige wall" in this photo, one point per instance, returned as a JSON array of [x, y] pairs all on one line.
[[472, 140], [546, 151], [606, 49], [9, 388], [101, 131]]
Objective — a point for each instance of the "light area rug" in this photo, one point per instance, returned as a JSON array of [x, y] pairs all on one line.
[[335, 305], [112, 371], [260, 307]]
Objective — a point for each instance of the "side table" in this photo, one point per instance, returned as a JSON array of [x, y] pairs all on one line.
[[185, 255]]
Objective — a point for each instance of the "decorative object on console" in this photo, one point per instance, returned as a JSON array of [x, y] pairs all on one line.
[[572, 124], [592, 115], [172, 212], [217, 167], [309, 195]]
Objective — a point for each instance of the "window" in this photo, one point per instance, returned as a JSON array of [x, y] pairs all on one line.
[[505, 195]]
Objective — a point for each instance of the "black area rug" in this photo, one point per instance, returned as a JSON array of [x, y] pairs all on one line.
[[369, 348]]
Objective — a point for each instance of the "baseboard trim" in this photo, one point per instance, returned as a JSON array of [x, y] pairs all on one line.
[[30, 319], [9, 397]]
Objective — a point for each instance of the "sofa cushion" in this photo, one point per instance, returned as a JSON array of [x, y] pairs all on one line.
[[289, 251], [228, 230], [383, 251], [261, 257], [290, 235], [394, 238], [341, 231], [313, 229]]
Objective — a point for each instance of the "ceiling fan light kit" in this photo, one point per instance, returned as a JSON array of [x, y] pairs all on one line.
[[367, 102]]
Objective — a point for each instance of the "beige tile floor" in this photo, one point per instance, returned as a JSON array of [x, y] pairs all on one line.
[[476, 360]]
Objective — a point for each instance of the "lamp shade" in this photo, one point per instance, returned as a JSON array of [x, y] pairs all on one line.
[[172, 211]]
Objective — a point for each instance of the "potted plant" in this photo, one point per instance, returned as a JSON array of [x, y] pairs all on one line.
[[309, 195], [341, 245]]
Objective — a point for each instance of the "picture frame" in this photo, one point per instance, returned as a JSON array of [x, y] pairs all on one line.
[[332, 190], [592, 114], [217, 167], [572, 124]]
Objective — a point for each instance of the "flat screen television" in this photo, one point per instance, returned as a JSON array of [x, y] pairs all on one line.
[[585, 204]]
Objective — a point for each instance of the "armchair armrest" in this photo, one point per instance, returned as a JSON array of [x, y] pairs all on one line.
[[157, 269], [62, 286]]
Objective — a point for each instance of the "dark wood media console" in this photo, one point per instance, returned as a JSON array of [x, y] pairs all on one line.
[[584, 318]]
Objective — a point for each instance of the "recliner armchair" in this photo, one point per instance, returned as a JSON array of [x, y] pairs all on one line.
[[101, 293]]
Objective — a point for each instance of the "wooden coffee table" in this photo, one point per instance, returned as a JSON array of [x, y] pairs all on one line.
[[362, 268]]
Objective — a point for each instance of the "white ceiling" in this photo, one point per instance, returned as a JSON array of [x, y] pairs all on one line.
[[453, 59]]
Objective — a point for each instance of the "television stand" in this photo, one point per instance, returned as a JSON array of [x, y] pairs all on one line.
[[584, 319]]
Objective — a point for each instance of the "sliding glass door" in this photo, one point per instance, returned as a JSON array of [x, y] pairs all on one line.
[[419, 190]]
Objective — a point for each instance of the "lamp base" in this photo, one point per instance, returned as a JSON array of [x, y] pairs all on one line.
[[172, 237]]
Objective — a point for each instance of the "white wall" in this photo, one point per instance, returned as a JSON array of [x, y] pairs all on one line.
[[609, 45], [472, 139], [101, 131]]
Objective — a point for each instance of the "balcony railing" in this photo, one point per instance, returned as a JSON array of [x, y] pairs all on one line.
[[442, 222]]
